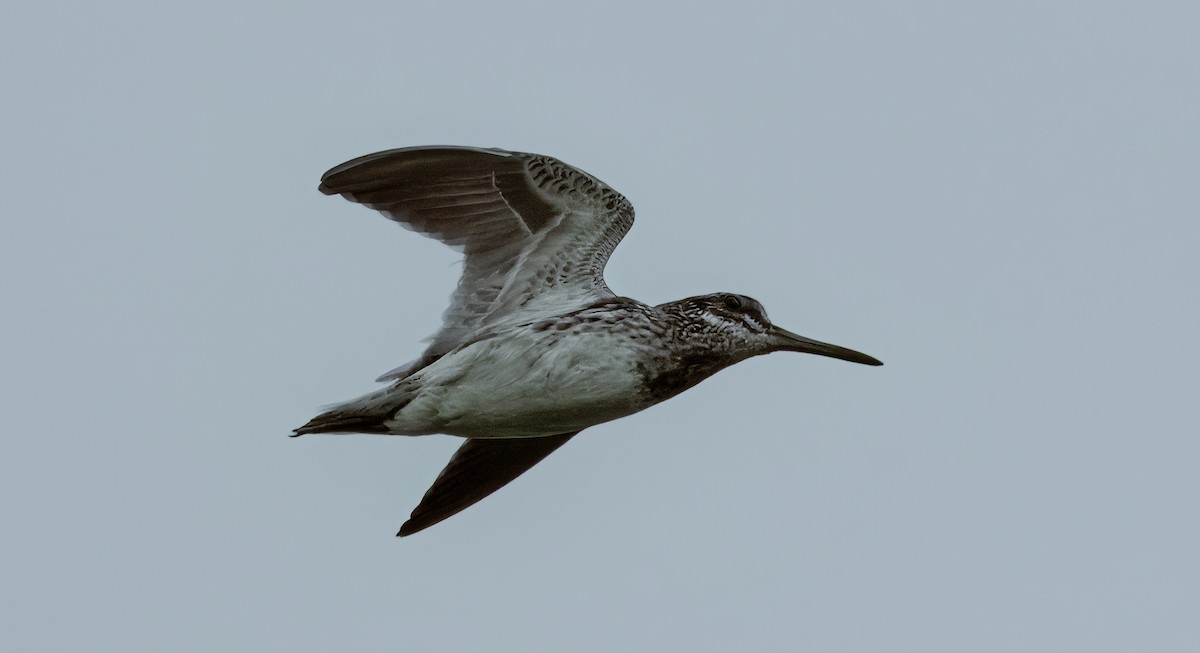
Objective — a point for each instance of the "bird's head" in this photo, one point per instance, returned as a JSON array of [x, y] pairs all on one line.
[[742, 323]]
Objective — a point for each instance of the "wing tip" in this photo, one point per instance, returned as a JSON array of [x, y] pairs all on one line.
[[383, 164], [420, 520]]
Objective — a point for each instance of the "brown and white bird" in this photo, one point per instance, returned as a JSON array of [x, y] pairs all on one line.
[[534, 347]]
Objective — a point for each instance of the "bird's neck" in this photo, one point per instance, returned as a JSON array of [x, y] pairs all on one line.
[[691, 354]]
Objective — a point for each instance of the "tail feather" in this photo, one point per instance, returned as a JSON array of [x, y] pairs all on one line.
[[367, 414], [340, 421]]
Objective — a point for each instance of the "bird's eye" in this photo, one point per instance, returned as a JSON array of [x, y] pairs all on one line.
[[734, 302]]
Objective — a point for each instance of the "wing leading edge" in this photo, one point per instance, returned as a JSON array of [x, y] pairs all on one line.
[[535, 232]]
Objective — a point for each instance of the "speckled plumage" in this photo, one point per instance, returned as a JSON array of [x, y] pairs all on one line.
[[534, 346]]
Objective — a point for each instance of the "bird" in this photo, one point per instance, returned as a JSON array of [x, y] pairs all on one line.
[[534, 347]]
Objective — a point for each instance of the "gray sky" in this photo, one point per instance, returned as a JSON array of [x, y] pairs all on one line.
[[1000, 202]]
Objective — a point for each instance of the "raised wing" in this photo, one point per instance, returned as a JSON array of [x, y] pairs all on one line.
[[536, 232], [479, 467]]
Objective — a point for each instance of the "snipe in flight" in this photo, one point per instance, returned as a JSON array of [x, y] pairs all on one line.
[[534, 347]]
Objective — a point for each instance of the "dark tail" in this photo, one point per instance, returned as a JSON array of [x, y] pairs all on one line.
[[337, 421]]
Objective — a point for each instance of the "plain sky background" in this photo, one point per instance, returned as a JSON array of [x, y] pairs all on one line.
[[1000, 200]]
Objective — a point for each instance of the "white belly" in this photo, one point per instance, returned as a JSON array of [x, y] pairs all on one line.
[[523, 384]]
